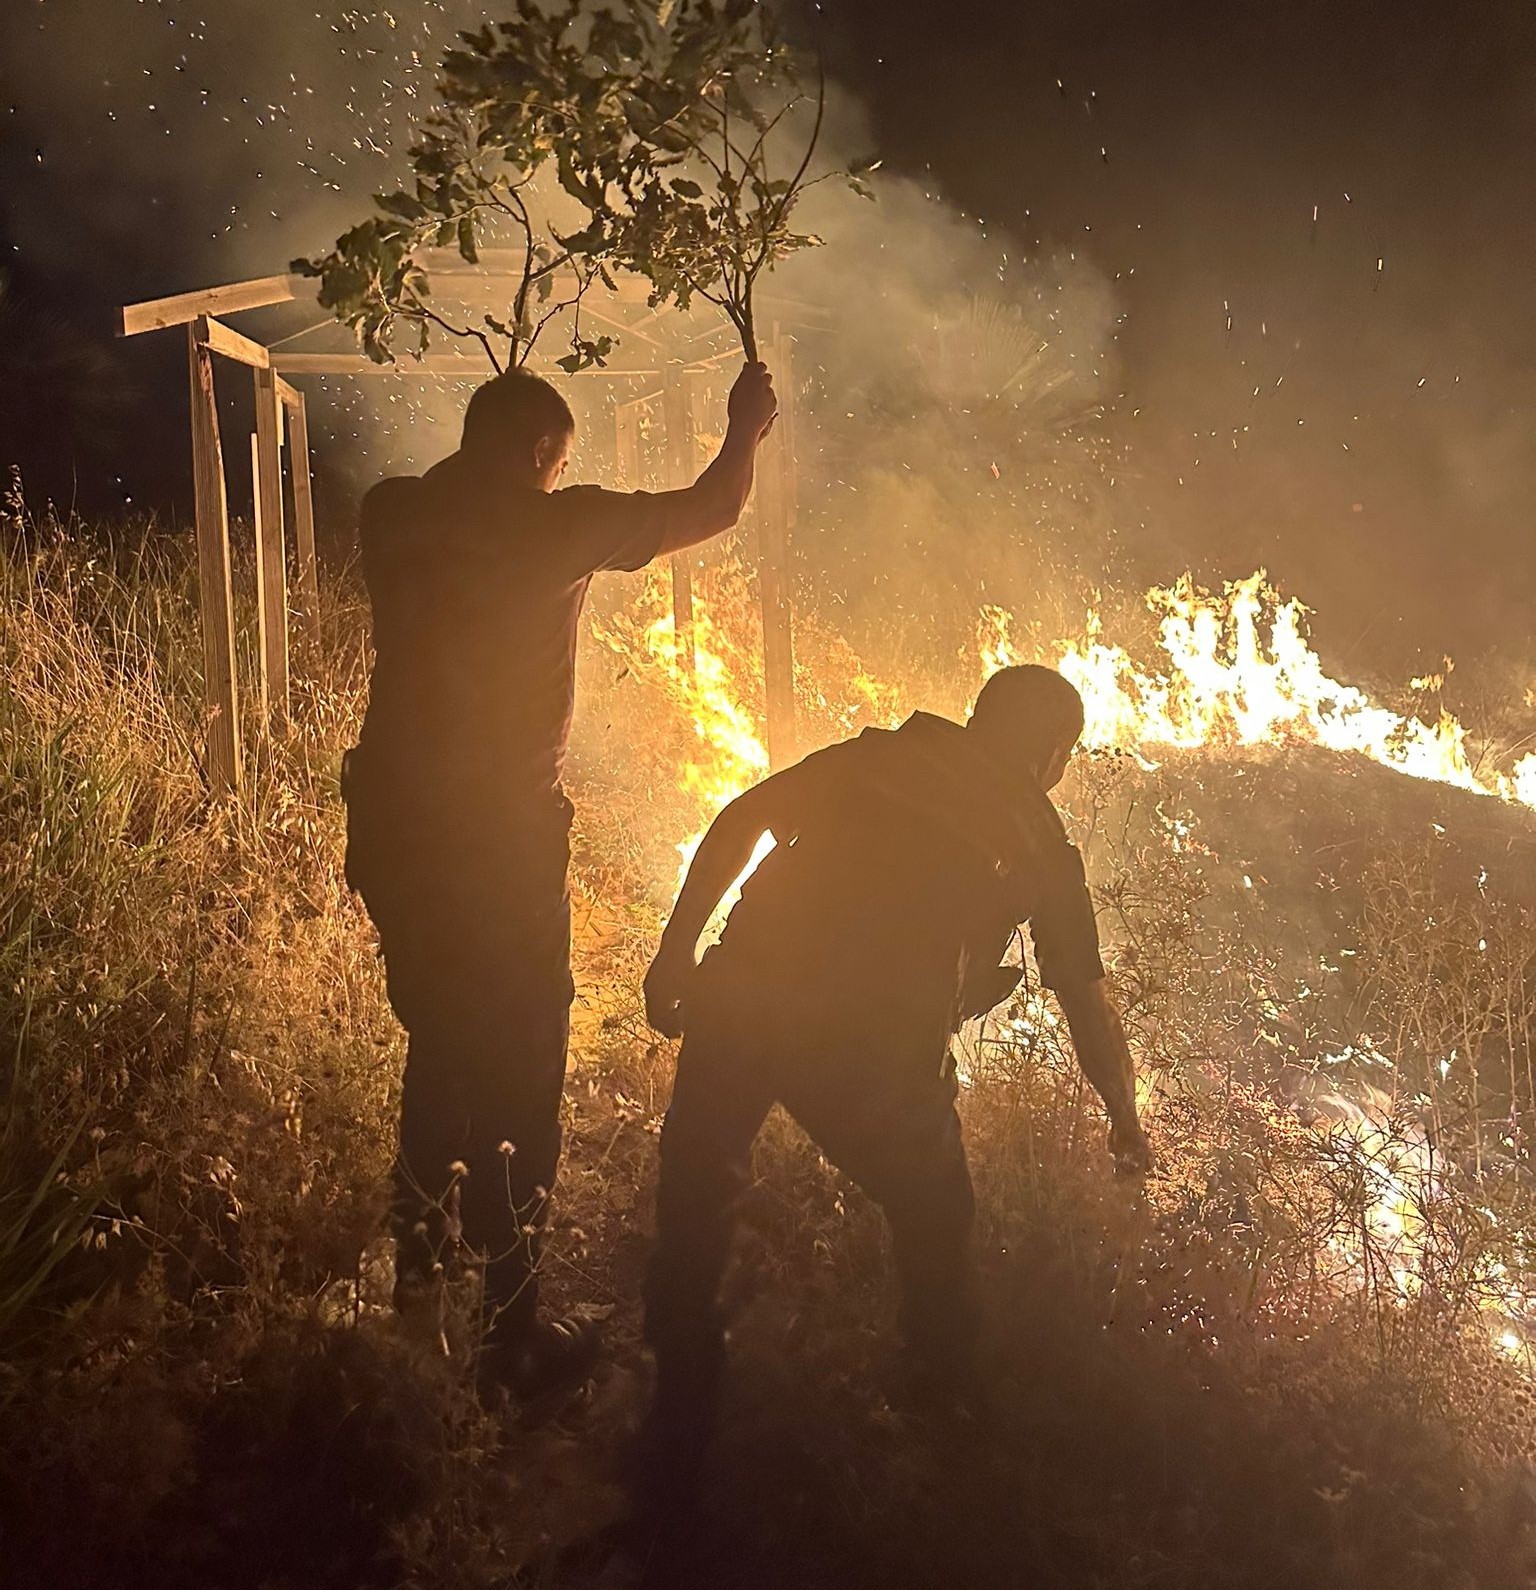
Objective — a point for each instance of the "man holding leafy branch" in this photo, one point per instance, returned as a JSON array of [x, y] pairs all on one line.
[[457, 823], [662, 132]]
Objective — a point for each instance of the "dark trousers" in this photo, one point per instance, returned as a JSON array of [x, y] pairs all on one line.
[[881, 1107], [476, 946]]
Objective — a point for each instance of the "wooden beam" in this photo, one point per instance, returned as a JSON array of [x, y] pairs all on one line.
[[303, 520], [289, 396], [775, 494], [506, 264], [271, 564], [216, 602], [256, 519], [435, 366], [797, 310], [674, 406], [219, 338], [625, 328], [626, 446], [155, 314], [651, 316], [787, 424]]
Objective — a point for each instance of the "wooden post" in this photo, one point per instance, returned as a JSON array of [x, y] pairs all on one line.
[[679, 474], [271, 564], [215, 598], [775, 517], [626, 446], [304, 520], [256, 492]]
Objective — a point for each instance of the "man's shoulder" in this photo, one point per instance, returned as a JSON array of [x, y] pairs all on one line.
[[926, 733], [387, 512], [868, 772], [844, 758], [393, 490], [587, 500]]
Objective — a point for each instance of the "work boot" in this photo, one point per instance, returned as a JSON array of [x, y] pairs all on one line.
[[549, 1357], [427, 1253]]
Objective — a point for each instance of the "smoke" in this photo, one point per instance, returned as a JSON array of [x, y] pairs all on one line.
[[1229, 384], [954, 409], [155, 146], [961, 442], [208, 139]]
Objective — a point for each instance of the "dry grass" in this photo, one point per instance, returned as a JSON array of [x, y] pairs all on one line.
[[1212, 1382]]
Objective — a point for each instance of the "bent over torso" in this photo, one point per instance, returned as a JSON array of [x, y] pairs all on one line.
[[911, 864]]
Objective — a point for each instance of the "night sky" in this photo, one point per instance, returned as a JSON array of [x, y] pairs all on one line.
[[1316, 219]]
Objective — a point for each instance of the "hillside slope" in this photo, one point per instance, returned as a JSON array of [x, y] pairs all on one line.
[[1237, 1375]]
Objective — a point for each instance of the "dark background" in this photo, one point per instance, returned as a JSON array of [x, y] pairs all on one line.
[[1344, 398]]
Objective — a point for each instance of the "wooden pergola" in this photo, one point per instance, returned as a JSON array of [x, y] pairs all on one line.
[[676, 383]]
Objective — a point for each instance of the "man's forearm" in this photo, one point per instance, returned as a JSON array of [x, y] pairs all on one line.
[[1099, 1041], [719, 861], [716, 500]]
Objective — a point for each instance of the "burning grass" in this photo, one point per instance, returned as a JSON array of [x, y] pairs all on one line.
[[1298, 1357]]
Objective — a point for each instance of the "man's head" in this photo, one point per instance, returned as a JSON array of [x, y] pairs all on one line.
[[1029, 718], [520, 423]]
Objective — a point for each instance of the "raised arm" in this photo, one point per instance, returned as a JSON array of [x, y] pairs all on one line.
[[1099, 1040], [714, 502]]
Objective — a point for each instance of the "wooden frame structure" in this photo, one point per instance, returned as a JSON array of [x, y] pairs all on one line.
[[281, 422]]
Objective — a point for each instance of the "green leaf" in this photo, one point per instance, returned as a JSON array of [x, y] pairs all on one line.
[[586, 241], [404, 205], [616, 98]]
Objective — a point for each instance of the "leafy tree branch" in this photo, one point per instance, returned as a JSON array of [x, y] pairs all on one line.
[[656, 129]]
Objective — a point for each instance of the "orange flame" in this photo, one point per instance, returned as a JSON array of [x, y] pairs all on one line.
[[1237, 670], [1240, 671]]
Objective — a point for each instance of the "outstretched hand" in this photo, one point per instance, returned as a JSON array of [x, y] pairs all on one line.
[[753, 407], [666, 986]]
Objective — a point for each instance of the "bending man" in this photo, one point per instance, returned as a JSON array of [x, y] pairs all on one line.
[[904, 861]]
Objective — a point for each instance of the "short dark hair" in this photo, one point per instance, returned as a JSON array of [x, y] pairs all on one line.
[[1034, 705], [516, 410]]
